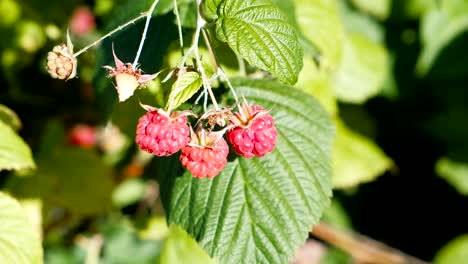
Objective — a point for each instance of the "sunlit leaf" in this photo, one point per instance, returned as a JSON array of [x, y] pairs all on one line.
[[320, 23], [179, 248], [183, 89], [363, 70], [378, 8], [455, 252], [19, 241], [356, 159], [14, 152], [454, 172]]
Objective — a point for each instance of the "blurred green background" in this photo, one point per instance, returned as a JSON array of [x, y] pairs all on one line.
[[394, 74]]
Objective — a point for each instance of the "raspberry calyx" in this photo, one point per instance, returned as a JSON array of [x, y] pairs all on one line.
[[162, 134], [205, 155]]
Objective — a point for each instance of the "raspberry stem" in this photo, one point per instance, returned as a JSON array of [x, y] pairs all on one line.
[[112, 32], [179, 27], [149, 14]]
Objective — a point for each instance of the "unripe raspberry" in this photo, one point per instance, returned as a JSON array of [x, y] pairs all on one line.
[[161, 134], [207, 157], [254, 133], [61, 64], [82, 135], [82, 21]]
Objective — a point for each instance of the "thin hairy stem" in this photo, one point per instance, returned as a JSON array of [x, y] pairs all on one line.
[[200, 23], [132, 21], [145, 31], [226, 79], [179, 27], [210, 50]]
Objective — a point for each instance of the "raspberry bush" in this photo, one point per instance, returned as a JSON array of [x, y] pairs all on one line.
[[213, 131]]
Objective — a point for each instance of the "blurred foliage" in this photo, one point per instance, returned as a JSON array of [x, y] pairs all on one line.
[[353, 60]]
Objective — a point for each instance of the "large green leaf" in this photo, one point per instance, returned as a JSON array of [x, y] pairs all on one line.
[[259, 210], [378, 8], [19, 242], [320, 23], [258, 31], [14, 153], [454, 172], [356, 159], [363, 69], [184, 88], [455, 252]]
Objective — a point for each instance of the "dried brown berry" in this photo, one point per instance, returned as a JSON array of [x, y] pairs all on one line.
[[61, 64]]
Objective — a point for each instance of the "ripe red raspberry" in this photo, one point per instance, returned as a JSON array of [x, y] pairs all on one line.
[[205, 156], [82, 135], [254, 133], [161, 134]]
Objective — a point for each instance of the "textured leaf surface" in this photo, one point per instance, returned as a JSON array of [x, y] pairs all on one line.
[[14, 153], [19, 242], [363, 70], [184, 88], [454, 172], [259, 32], [260, 210], [356, 159], [320, 23]]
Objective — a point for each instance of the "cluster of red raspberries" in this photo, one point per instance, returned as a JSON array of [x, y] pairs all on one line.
[[204, 153]]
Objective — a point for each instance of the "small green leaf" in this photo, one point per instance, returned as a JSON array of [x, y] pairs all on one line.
[[209, 9], [378, 8], [320, 23], [19, 242], [183, 89], [14, 152], [259, 210], [258, 31], [179, 248], [9, 117], [455, 252], [363, 70], [356, 159], [454, 172]]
